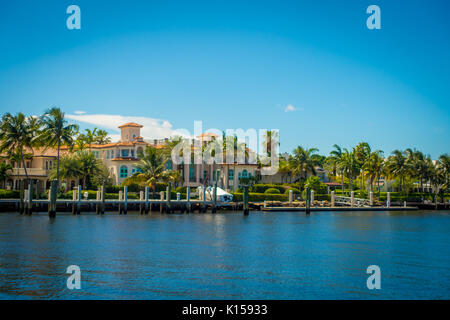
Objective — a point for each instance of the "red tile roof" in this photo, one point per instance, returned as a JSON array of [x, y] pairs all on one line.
[[130, 124]]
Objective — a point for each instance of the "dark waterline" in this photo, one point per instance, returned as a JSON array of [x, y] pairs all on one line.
[[283, 255]]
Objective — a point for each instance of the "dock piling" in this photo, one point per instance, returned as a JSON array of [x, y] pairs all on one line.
[[120, 199], [22, 196], [161, 205], [79, 199], [125, 200], [308, 200], [388, 200], [203, 208], [169, 191], [141, 204], [245, 199], [102, 199], [188, 199], [52, 194], [333, 199], [146, 199]]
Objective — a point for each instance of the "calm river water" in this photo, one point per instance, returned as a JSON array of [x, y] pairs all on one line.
[[283, 255]]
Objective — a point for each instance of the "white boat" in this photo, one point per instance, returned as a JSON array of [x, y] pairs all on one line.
[[222, 195]]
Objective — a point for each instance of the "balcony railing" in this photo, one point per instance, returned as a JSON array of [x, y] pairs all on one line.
[[30, 171]]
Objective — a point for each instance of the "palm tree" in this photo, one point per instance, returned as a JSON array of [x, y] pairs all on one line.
[[89, 164], [17, 135], [5, 172], [284, 168], [349, 166], [362, 154], [304, 161], [335, 159], [91, 136], [151, 168], [398, 166], [421, 166], [437, 179], [374, 167], [80, 143], [70, 168], [271, 137], [444, 159], [56, 132], [102, 137]]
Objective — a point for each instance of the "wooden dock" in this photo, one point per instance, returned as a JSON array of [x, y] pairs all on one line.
[[339, 208]]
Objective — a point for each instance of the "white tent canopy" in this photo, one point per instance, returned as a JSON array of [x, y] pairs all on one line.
[[222, 195]]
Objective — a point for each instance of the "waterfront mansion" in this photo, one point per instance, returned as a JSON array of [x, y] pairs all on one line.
[[121, 158]]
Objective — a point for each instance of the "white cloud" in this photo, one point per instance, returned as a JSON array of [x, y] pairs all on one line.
[[152, 128], [79, 112], [289, 108]]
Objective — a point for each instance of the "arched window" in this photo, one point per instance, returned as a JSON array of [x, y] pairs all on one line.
[[244, 173], [231, 174], [140, 150], [123, 171]]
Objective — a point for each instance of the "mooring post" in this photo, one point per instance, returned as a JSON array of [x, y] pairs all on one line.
[[125, 200], [147, 190], [97, 204], [188, 199], [141, 202], [74, 198], [120, 199], [370, 198], [214, 206], [22, 196], [388, 200], [312, 197], [52, 192], [204, 199], [291, 196], [79, 199], [333, 198], [245, 198], [161, 204], [308, 200], [169, 191], [102, 195], [352, 199], [30, 197]]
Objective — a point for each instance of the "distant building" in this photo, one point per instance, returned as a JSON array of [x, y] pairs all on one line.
[[121, 158]]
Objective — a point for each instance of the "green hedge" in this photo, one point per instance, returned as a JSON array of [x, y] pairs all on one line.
[[294, 190], [272, 191], [9, 194], [261, 197], [261, 188]]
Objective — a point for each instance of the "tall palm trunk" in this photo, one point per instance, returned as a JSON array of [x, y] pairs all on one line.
[[25, 168], [421, 188], [57, 166]]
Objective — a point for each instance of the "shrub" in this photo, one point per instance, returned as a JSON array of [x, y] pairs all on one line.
[[294, 190], [182, 189], [256, 197], [315, 184], [261, 188], [9, 194], [272, 191]]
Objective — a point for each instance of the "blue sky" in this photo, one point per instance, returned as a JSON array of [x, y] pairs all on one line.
[[237, 64]]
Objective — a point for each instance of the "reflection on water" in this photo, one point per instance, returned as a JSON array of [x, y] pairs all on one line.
[[226, 256]]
